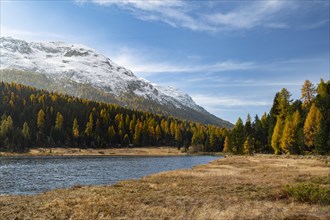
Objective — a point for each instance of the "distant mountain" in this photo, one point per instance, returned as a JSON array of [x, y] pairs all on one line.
[[80, 71]]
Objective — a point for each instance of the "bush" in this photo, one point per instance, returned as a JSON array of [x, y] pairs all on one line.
[[309, 192]]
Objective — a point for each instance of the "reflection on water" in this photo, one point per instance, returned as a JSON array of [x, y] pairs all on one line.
[[29, 175]]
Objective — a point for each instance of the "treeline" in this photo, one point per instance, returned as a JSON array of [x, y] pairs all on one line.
[[291, 127], [37, 118]]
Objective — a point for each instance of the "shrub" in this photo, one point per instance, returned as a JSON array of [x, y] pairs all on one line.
[[309, 192]]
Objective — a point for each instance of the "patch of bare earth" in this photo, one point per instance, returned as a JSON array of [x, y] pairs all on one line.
[[229, 188]]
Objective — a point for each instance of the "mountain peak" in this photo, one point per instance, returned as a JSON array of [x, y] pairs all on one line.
[[79, 64]]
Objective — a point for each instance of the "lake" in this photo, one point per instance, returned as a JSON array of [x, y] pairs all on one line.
[[30, 175]]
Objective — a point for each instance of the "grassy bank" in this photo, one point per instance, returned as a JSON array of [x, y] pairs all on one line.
[[259, 187], [146, 151]]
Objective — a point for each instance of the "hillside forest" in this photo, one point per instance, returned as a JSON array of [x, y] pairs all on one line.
[[38, 118]]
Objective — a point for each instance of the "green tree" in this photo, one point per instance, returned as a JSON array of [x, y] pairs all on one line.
[[237, 137], [248, 131]]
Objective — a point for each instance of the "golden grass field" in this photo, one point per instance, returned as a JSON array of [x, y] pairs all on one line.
[[235, 187]]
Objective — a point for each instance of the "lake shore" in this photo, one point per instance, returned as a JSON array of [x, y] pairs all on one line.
[[144, 151], [235, 187]]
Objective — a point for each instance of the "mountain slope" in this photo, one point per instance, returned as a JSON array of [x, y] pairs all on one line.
[[80, 71]]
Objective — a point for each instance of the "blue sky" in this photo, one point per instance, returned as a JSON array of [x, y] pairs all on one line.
[[230, 56]]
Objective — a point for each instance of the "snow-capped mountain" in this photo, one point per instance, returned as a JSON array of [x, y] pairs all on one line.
[[78, 64]]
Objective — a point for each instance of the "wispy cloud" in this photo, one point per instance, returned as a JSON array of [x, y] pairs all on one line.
[[200, 16], [33, 35], [221, 102], [314, 25], [147, 66], [258, 13]]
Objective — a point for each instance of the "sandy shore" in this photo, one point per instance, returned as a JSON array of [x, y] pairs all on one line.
[[229, 188], [146, 151]]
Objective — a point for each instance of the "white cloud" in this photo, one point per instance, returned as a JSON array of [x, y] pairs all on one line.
[[257, 13], [144, 66], [212, 16], [314, 25], [33, 35], [221, 101]]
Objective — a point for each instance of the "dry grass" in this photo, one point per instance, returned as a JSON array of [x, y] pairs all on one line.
[[230, 188], [152, 151]]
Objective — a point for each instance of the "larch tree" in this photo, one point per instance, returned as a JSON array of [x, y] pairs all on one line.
[[307, 93], [89, 126], [312, 126], [322, 88], [288, 136], [276, 137], [158, 132], [26, 131], [59, 121], [283, 104], [41, 120], [248, 146], [75, 128], [227, 146], [178, 135]]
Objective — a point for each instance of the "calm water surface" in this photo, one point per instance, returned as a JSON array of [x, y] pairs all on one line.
[[29, 175]]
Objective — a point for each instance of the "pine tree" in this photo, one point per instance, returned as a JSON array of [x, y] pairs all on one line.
[[312, 125], [237, 135], [248, 127]]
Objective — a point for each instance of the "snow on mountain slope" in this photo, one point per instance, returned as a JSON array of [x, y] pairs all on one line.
[[81, 64]]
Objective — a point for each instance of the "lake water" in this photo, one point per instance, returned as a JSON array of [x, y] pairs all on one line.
[[30, 175]]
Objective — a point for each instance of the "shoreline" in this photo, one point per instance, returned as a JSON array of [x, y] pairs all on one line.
[[235, 187], [107, 152]]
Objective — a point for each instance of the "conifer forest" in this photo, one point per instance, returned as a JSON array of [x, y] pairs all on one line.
[[38, 118]]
